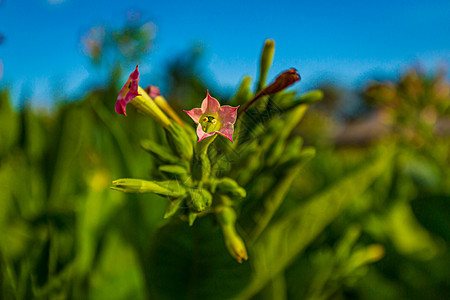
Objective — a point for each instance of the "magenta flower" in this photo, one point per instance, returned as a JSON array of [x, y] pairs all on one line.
[[128, 92], [213, 118]]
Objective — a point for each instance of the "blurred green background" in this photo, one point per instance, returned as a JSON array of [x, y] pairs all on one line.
[[374, 200]]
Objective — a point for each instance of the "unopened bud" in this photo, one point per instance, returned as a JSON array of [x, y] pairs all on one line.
[[147, 106], [284, 80], [163, 188], [230, 187], [266, 62], [175, 170], [200, 200], [154, 93], [374, 253], [234, 243], [236, 247], [131, 185]]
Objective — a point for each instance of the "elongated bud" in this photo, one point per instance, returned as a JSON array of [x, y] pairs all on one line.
[[234, 243], [147, 106], [284, 80], [154, 93], [266, 62], [230, 187], [374, 253], [200, 200], [174, 170], [179, 142], [163, 188]]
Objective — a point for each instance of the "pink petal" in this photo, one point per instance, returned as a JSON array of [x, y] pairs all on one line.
[[120, 107], [195, 114], [201, 134], [227, 131], [228, 114], [128, 92], [210, 105], [153, 91]]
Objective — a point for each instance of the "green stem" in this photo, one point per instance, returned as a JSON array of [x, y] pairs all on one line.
[[201, 166]]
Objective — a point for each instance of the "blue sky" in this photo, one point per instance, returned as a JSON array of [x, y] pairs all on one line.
[[343, 41]]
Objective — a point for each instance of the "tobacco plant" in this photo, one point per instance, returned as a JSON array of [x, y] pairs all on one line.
[[225, 180]]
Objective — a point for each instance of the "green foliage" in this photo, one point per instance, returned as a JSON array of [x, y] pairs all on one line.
[[314, 220]]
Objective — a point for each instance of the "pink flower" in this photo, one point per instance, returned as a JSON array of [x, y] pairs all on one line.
[[128, 92], [213, 118]]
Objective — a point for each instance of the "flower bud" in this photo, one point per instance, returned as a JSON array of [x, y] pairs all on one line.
[[174, 170], [147, 106], [229, 187], [130, 185], [374, 253], [266, 62], [284, 80], [236, 247], [163, 188], [200, 200], [154, 93], [234, 243]]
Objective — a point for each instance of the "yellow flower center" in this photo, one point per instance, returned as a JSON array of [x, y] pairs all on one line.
[[209, 123]]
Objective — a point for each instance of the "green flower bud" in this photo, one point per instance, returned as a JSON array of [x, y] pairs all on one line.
[[229, 187], [374, 253], [177, 189], [226, 216], [147, 106], [175, 170], [154, 93], [236, 247], [163, 188], [265, 63], [200, 200], [234, 243]]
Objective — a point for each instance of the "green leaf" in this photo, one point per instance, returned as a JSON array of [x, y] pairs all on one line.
[[277, 247], [173, 207]]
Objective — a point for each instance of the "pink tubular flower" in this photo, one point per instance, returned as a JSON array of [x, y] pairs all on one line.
[[128, 92], [213, 118]]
